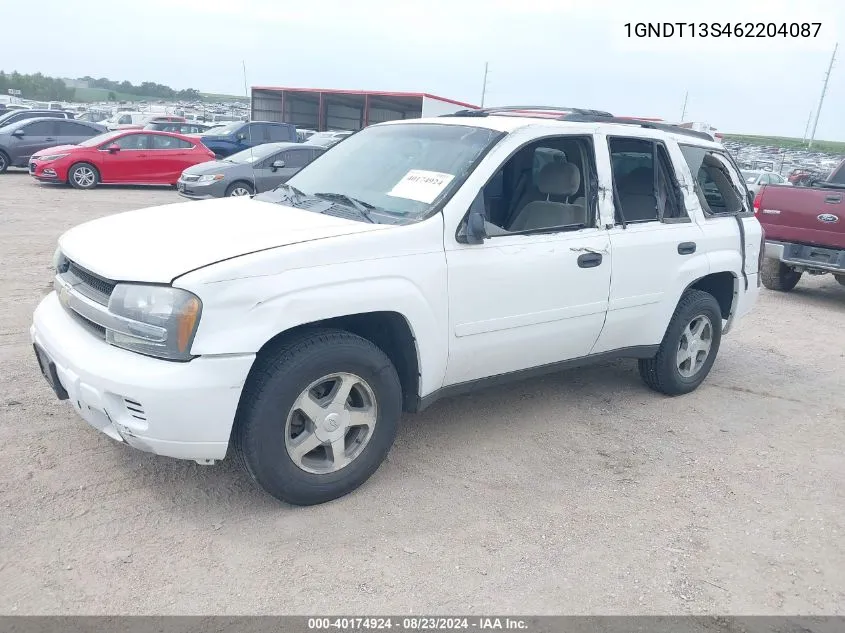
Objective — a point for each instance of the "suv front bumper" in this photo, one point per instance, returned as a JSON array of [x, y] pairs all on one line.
[[181, 410]]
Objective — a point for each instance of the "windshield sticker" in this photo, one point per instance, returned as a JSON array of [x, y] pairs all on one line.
[[421, 185]]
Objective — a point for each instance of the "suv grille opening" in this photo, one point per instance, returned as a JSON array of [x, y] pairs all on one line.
[[87, 283], [97, 330], [136, 409]]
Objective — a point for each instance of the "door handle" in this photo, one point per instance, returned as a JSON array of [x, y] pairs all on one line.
[[686, 248], [589, 260], [49, 138]]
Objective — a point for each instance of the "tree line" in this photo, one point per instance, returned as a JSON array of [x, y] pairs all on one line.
[[145, 89], [37, 86]]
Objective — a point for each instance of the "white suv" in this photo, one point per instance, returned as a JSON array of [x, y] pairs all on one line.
[[416, 259]]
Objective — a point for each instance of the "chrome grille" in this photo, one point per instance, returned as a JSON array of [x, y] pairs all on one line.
[[89, 284], [97, 330], [186, 178]]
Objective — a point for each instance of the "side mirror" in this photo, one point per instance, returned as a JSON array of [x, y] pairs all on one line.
[[18, 133], [278, 164], [476, 232], [241, 137], [751, 197], [114, 148]]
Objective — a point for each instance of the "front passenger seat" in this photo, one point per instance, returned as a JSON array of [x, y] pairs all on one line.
[[555, 179]]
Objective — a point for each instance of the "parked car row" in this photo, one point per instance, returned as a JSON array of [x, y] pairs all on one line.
[[236, 159], [22, 139]]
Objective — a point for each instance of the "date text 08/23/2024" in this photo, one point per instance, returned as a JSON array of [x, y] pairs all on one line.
[[723, 29], [418, 623]]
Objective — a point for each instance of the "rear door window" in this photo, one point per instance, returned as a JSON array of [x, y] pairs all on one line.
[[133, 142], [160, 141], [40, 128], [279, 133], [68, 128], [645, 185], [296, 158]]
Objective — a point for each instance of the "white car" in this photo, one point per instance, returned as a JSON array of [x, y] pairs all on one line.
[[756, 179], [415, 260], [126, 120]]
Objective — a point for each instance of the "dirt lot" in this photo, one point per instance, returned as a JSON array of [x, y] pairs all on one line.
[[583, 492]]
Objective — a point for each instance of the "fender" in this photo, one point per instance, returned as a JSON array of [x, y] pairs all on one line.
[[233, 321]]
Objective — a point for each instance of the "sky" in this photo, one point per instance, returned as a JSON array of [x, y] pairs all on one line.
[[572, 53]]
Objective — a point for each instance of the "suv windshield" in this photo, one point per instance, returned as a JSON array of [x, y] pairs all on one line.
[[398, 169]]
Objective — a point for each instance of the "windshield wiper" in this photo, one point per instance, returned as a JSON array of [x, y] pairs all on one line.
[[359, 205]]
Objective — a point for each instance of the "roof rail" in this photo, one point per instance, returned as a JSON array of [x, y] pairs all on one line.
[[579, 115], [665, 127], [527, 110]]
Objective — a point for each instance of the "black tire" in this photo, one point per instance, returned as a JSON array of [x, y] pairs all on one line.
[[4, 162], [778, 276], [273, 386], [239, 185], [662, 373], [74, 180], [840, 279]]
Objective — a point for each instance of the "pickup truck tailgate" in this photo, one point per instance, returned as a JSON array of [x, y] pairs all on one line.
[[804, 215]]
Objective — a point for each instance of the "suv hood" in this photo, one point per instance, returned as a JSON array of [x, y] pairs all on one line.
[[158, 244]]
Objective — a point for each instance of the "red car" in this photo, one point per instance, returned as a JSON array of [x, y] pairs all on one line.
[[125, 157]]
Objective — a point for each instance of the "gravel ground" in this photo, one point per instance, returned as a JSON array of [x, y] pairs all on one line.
[[580, 493]]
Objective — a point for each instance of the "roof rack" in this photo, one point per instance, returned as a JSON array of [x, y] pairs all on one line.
[[578, 115], [529, 110]]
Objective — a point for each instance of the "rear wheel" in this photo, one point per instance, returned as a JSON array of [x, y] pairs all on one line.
[[239, 188], [840, 279], [83, 176], [317, 416], [689, 346], [4, 162], [778, 276]]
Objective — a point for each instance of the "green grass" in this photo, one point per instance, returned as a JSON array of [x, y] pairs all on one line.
[[833, 147], [211, 96], [102, 94]]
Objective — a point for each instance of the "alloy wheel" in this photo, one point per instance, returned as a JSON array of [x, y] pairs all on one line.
[[694, 346], [330, 423], [84, 176]]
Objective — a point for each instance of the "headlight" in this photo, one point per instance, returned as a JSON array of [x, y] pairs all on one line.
[[51, 156], [174, 313], [210, 178]]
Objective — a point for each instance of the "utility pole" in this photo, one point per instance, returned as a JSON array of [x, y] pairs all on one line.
[[684, 111], [821, 99], [484, 87], [807, 127]]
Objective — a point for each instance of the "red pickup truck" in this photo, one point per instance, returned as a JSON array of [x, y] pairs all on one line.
[[805, 230]]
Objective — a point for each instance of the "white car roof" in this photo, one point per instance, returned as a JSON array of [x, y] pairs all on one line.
[[510, 123]]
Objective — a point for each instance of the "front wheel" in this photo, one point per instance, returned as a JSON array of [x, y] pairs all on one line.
[[4, 162], [689, 346], [317, 416], [83, 176], [239, 189], [840, 279]]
